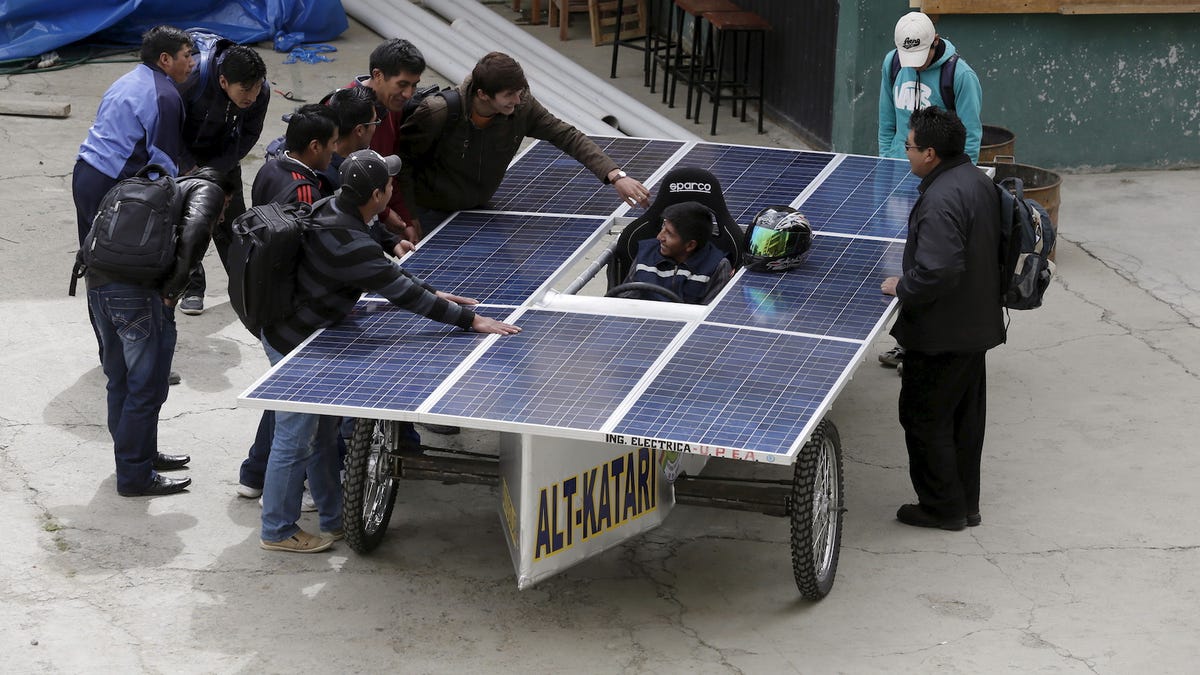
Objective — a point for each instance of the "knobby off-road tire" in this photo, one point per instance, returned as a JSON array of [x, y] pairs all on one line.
[[816, 512], [369, 490]]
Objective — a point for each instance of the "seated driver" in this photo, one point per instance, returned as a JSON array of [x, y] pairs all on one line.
[[682, 259]]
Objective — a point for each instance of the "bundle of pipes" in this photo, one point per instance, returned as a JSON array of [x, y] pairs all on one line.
[[562, 86]]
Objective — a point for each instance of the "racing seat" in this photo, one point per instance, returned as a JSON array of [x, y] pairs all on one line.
[[679, 185]]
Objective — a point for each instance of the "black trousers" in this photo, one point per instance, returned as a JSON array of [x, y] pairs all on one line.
[[943, 409], [221, 234]]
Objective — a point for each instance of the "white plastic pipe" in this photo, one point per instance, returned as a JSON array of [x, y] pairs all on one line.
[[387, 21], [634, 117], [452, 56]]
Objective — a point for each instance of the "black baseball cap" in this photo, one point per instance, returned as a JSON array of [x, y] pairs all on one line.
[[365, 171]]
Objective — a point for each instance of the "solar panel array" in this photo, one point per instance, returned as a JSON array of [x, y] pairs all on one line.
[[748, 376]]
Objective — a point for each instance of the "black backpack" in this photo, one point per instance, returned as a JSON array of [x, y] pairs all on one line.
[[946, 83], [1026, 242], [264, 252], [135, 232], [453, 102]]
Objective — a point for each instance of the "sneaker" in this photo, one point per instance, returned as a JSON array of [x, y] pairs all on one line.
[[336, 535], [174, 377], [192, 305], [892, 357], [301, 542], [307, 505], [246, 492]]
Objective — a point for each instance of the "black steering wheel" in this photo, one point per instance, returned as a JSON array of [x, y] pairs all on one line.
[[666, 293]]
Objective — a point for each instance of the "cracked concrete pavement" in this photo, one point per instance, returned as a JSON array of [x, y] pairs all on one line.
[[1086, 561]]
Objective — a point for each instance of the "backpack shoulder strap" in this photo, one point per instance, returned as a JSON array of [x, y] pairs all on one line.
[[895, 67], [947, 81], [453, 105]]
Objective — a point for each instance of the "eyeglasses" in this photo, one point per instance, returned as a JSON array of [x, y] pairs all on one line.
[[915, 147], [371, 124]]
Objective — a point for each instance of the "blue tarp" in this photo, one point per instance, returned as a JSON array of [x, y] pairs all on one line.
[[32, 27]]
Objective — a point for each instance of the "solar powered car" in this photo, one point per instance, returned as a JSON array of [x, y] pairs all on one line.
[[612, 411]]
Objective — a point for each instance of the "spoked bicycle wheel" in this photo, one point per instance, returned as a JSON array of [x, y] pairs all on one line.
[[816, 512], [369, 488]]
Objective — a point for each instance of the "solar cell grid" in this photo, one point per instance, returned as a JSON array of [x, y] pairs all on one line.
[[498, 258], [562, 370], [545, 180], [835, 292], [755, 178], [753, 373], [865, 196], [739, 389], [381, 357]]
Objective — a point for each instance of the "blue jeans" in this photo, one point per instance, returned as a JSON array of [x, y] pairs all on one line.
[[254, 467], [137, 343], [303, 444]]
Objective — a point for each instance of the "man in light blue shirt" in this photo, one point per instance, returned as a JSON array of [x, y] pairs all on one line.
[[139, 122]]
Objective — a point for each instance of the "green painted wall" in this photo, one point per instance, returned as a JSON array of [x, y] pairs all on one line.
[[1096, 92]]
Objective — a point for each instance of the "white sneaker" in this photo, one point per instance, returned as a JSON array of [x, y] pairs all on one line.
[[247, 492], [307, 505]]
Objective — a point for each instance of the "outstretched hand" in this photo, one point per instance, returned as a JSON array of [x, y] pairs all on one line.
[[457, 299], [482, 324], [632, 192]]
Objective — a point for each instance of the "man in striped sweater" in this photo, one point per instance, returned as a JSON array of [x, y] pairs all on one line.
[[340, 260]]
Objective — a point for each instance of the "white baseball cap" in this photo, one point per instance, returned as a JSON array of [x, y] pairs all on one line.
[[914, 37]]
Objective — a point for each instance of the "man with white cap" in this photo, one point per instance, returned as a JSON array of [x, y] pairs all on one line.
[[339, 260], [925, 70]]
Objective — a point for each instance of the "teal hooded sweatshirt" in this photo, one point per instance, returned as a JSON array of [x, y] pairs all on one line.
[[913, 90]]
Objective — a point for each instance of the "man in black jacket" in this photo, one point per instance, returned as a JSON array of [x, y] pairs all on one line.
[[226, 98], [950, 315]]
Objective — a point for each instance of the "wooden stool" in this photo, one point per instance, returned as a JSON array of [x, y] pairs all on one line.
[[535, 11], [725, 25], [561, 16], [695, 67]]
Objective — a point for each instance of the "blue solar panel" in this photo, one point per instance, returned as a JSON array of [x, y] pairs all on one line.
[[752, 374], [562, 370], [546, 180], [498, 259], [866, 196], [381, 357], [835, 292], [737, 388], [755, 178]]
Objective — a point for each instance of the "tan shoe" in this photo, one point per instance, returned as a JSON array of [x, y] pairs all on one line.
[[336, 535], [301, 542]]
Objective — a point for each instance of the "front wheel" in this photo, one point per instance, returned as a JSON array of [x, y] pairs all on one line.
[[369, 487], [816, 512]]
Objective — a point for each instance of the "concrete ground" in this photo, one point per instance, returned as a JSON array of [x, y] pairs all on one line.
[[1086, 560]]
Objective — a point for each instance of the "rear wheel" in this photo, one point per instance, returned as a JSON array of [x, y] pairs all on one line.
[[816, 512], [369, 488]]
